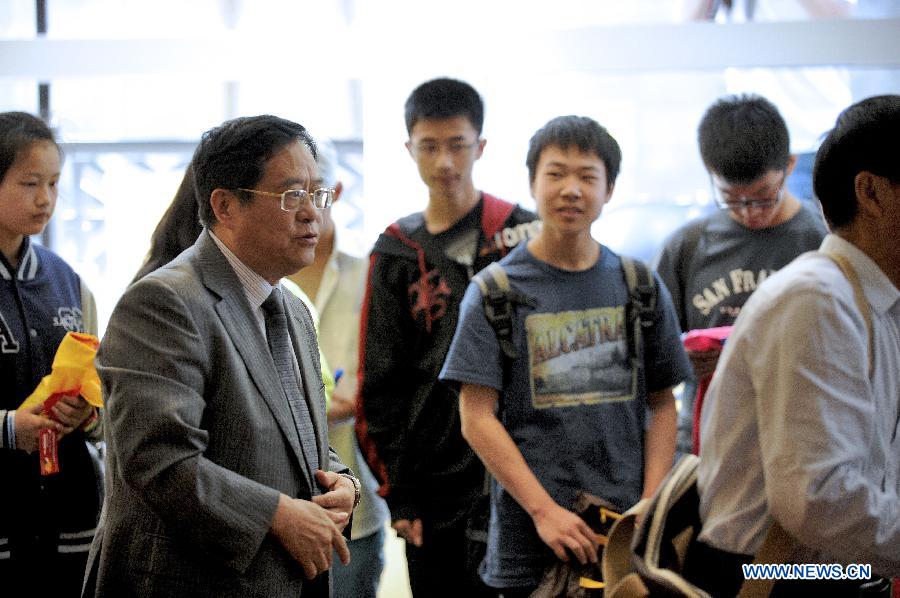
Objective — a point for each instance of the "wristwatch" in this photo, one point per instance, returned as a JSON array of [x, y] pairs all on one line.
[[356, 488]]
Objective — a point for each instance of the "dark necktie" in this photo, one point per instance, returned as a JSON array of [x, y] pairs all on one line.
[[282, 354]]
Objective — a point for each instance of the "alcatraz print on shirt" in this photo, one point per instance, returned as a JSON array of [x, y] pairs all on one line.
[[579, 357]]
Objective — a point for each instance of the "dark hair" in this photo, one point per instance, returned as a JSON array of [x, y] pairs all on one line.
[[582, 132], [18, 131], [442, 99], [864, 138], [742, 137], [177, 230], [235, 153]]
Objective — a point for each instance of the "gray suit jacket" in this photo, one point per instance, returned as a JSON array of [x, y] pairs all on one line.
[[200, 439]]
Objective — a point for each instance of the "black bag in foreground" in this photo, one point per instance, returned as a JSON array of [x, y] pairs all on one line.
[[572, 579]]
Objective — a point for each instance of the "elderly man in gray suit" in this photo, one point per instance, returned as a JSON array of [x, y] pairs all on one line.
[[220, 478]]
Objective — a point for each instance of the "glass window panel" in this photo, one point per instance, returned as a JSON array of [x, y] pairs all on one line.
[[136, 108], [109, 203], [762, 11], [327, 107], [18, 19], [167, 19], [133, 19], [350, 210], [566, 14], [19, 94]]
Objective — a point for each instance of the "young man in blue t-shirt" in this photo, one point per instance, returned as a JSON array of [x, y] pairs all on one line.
[[569, 413]]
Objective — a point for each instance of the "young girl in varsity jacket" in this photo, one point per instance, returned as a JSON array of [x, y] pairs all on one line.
[[46, 522]]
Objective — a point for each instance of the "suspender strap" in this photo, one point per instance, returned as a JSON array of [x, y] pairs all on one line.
[[776, 548], [860, 297]]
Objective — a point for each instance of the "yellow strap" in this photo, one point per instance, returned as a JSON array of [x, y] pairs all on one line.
[[604, 513], [592, 584], [861, 303], [776, 548], [630, 586]]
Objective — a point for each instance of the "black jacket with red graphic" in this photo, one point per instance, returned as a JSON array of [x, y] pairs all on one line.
[[407, 421]]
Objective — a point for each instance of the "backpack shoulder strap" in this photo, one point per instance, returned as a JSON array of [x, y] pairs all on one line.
[[411, 223], [494, 213], [642, 293], [497, 297]]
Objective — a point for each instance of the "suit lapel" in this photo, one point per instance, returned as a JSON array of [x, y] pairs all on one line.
[[238, 319]]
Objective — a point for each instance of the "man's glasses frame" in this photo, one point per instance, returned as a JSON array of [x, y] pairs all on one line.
[[745, 203], [293, 199], [431, 149]]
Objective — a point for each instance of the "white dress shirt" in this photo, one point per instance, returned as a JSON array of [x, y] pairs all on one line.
[[256, 288], [794, 428]]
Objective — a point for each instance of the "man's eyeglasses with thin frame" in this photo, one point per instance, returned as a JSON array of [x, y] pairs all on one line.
[[725, 202], [293, 199], [455, 148]]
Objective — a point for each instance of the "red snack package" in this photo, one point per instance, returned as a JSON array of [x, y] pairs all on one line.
[[48, 443], [48, 439]]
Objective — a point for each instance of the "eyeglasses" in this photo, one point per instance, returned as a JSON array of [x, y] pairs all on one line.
[[726, 202], [430, 149], [293, 199]]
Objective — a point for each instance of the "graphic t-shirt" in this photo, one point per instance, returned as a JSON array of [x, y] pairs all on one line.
[[460, 241], [712, 265], [570, 401]]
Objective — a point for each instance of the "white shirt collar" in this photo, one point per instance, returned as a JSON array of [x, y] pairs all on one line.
[[879, 290], [256, 288]]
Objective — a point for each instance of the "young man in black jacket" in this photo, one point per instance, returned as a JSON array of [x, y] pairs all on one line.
[[408, 425]]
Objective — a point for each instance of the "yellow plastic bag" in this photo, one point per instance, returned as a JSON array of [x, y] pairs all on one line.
[[72, 373]]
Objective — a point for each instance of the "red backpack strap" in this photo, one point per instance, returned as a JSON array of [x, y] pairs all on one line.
[[702, 387], [494, 213]]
